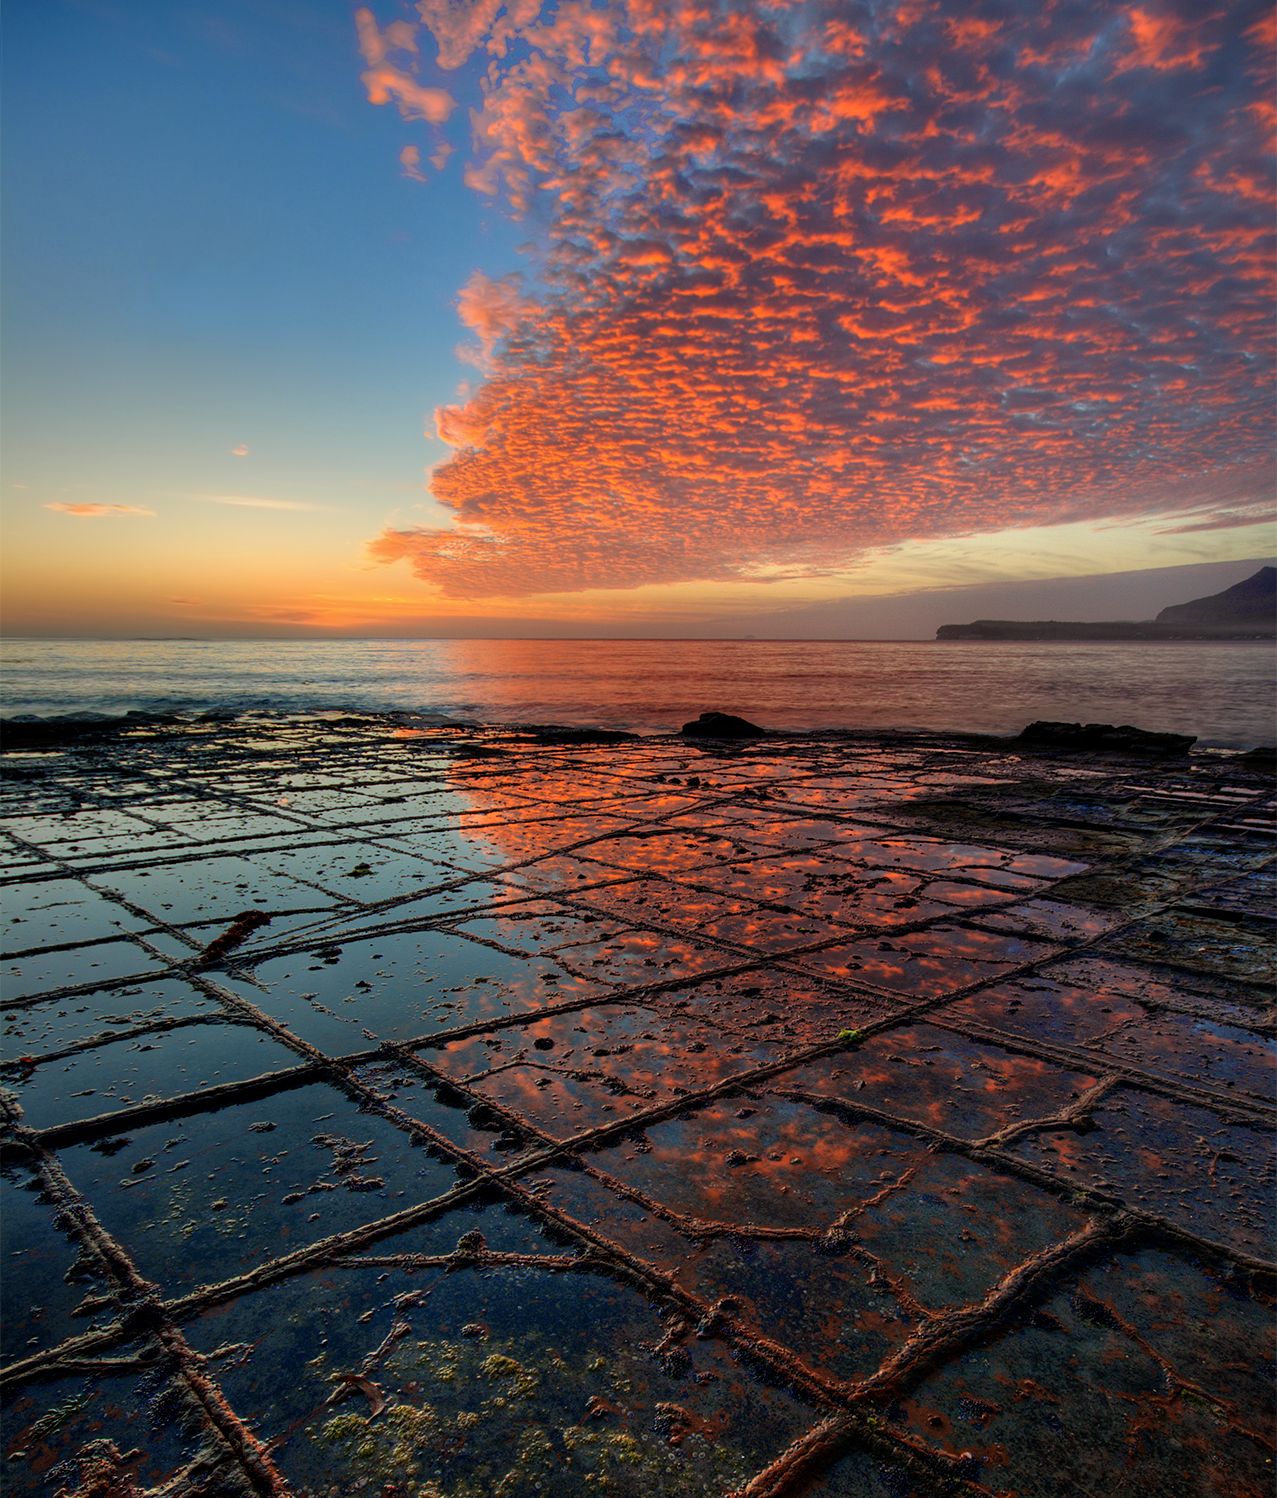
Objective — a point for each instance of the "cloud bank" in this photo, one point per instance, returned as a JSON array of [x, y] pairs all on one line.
[[812, 278]]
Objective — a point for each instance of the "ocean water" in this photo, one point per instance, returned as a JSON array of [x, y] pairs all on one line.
[[1226, 694]]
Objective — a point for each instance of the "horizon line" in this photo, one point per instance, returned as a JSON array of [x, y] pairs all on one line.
[[931, 639]]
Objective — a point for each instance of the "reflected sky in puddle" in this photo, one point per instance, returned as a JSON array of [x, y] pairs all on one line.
[[57, 1023], [201, 1198], [144, 1068]]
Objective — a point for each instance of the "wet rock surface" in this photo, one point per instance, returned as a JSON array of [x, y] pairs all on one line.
[[432, 1111]]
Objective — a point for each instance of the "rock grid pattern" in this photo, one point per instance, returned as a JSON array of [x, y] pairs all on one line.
[[420, 1111]]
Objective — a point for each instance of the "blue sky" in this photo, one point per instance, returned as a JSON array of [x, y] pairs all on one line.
[[208, 242]]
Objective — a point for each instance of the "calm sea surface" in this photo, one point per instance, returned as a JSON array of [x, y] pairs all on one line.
[[1226, 694]]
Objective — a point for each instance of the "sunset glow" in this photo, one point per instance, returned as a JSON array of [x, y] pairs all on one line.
[[707, 312], [809, 279]]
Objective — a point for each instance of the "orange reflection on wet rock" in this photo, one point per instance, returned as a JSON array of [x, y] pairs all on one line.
[[927, 964], [757, 1161], [944, 1080]]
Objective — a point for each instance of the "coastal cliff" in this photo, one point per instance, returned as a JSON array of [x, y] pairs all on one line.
[[1246, 611]]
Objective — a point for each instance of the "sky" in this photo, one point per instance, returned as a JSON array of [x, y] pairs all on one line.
[[632, 317]]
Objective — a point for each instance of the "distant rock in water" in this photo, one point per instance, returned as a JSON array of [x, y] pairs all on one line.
[[1252, 602], [1246, 611], [722, 726], [1104, 738]]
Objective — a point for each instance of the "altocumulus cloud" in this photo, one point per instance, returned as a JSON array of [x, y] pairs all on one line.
[[811, 278], [386, 78]]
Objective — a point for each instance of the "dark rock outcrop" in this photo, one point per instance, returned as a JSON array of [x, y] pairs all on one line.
[[23, 733], [722, 726], [1104, 738], [1262, 758]]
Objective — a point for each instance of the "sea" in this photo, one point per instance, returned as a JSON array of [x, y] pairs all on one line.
[[1226, 694]]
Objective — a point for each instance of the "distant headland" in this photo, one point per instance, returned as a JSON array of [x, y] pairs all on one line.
[[1246, 611]]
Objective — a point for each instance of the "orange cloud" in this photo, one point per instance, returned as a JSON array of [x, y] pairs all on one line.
[[491, 308], [1162, 40], [413, 101], [410, 161], [375, 44], [386, 81], [97, 512], [805, 283], [460, 27]]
